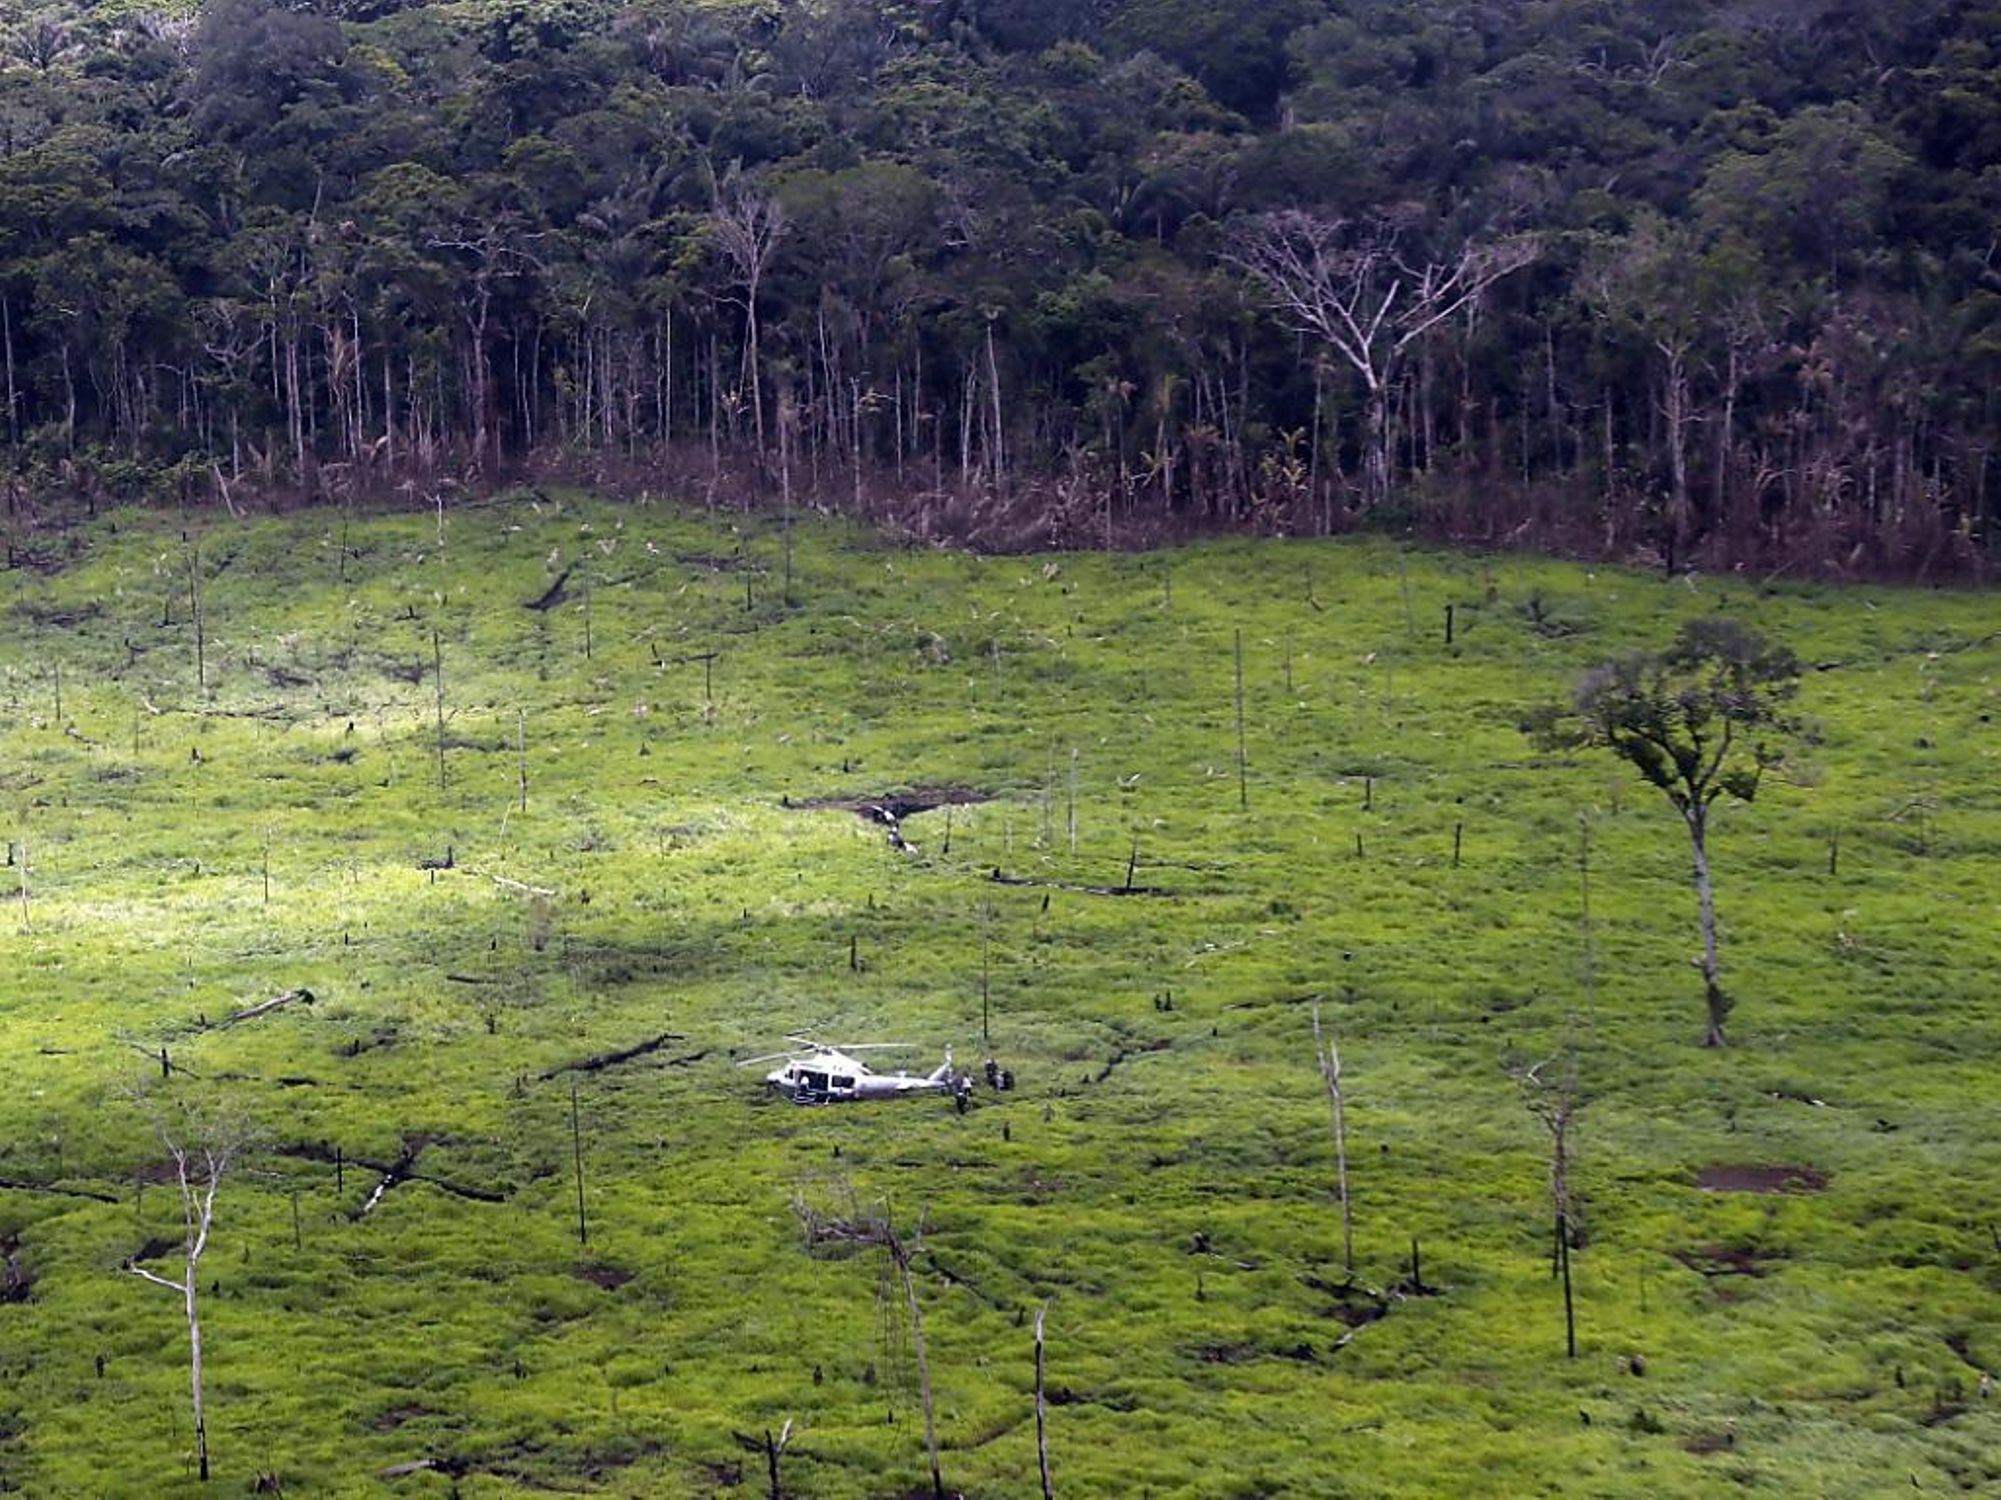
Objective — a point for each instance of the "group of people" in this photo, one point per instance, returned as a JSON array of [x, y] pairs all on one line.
[[998, 1078]]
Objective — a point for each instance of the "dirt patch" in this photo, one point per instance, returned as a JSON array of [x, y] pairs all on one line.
[[1760, 1179], [62, 617], [46, 561], [1354, 1305], [610, 1278], [393, 1417], [600, 1463], [1361, 1314], [1729, 1260], [1225, 1354], [892, 808]]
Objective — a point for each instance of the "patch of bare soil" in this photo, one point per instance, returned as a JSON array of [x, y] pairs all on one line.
[[1225, 1354], [610, 1278], [393, 1417], [892, 808], [1710, 1442], [1728, 1260], [1720, 1178], [57, 616]]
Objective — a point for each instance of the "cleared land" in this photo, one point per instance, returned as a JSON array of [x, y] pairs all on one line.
[[1797, 1236]]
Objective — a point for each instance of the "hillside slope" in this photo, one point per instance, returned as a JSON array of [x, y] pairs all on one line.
[[585, 860]]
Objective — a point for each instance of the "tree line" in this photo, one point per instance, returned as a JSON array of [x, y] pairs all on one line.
[[1707, 282]]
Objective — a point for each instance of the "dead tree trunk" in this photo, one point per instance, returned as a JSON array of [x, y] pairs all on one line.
[[438, 675], [873, 1227], [199, 1171], [1329, 1058], [195, 610], [1042, 1409], [1717, 1003], [900, 1252]]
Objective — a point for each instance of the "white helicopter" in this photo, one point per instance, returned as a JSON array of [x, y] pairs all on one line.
[[816, 1072]]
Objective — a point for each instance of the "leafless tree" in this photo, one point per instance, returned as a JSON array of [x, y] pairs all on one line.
[[771, 1448], [1042, 1409], [746, 226], [1327, 1053], [203, 1149], [1550, 1090], [849, 1223], [1353, 286]]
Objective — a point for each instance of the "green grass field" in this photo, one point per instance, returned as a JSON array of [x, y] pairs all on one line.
[[1163, 1177]]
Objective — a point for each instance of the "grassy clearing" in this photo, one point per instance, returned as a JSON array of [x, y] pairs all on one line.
[[1163, 1176]]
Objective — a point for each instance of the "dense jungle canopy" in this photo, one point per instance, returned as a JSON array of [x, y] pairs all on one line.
[[1702, 281]]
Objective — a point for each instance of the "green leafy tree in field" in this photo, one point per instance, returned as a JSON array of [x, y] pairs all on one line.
[[1704, 719]]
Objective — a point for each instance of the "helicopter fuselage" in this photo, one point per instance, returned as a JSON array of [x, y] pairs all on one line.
[[829, 1077]]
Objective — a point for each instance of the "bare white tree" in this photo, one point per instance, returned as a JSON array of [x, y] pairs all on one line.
[[203, 1152], [1327, 1052], [746, 226], [1351, 285]]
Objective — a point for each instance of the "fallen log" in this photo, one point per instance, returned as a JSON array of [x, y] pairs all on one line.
[[963, 1282], [53, 1190], [605, 1060], [390, 1174], [554, 594], [264, 1007], [454, 1468], [1124, 1053], [398, 1172], [168, 1066], [1000, 878], [511, 885]]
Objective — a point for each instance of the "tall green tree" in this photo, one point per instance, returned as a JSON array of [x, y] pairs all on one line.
[[1706, 718]]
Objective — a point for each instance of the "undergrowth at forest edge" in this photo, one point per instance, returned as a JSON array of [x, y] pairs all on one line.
[[1787, 1270]]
